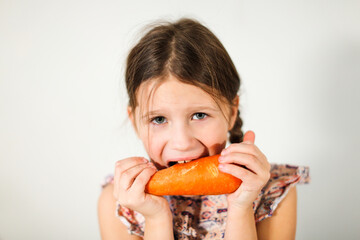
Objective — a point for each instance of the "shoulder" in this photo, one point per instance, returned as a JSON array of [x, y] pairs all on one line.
[[285, 215], [110, 226]]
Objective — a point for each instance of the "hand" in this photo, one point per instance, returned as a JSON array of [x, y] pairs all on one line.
[[246, 162], [131, 176]]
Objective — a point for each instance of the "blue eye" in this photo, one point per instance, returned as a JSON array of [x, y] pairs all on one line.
[[199, 116], [158, 120]]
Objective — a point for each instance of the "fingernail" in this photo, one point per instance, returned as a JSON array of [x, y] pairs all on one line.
[[221, 159], [150, 164], [221, 166], [224, 151], [145, 160]]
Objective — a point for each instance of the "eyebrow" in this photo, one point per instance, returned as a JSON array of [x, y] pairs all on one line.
[[191, 109], [151, 113]]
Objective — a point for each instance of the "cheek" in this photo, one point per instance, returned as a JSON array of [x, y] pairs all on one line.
[[214, 133], [214, 141], [154, 141]]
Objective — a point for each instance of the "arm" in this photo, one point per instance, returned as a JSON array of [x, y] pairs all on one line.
[[271, 228], [131, 176], [246, 162], [284, 215], [110, 226], [160, 227], [240, 223]]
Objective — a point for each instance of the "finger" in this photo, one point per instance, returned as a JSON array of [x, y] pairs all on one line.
[[124, 179], [127, 177], [255, 154], [243, 148], [250, 180], [142, 179], [247, 160], [249, 137], [239, 172], [123, 165], [129, 162]]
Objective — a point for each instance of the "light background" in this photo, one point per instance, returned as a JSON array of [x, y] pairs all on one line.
[[63, 103]]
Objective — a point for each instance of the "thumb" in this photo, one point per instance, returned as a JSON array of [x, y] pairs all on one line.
[[249, 137]]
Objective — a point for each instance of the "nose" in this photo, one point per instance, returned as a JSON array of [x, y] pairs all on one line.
[[182, 138]]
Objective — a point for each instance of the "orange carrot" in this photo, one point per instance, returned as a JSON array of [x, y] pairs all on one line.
[[198, 177]]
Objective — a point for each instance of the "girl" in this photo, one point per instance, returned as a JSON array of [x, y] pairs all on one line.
[[183, 105]]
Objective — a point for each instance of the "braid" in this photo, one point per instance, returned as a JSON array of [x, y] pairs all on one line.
[[236, 135]]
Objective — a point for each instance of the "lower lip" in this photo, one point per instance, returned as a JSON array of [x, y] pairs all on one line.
[[181, 159]]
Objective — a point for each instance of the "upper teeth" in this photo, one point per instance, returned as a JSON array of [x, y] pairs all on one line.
[[184, 161]]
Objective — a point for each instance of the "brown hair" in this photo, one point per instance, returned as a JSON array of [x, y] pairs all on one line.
[[190, 52]]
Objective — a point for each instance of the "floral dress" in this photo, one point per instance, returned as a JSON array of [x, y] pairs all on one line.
[[204, 216]]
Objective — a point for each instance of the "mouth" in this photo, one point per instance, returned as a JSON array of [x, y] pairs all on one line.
[[182, 160], [172, 163]]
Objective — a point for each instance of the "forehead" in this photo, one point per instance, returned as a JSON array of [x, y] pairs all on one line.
[[172, 92]]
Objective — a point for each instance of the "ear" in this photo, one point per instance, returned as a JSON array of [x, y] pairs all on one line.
[[234, 112], [131, 113]]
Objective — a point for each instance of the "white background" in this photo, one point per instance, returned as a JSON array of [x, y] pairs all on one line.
[[63, 103]]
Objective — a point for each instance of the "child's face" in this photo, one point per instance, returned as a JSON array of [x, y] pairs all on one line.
[[180, 122]]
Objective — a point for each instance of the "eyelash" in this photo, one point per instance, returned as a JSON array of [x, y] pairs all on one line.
[[152, 120], [206, 115]]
